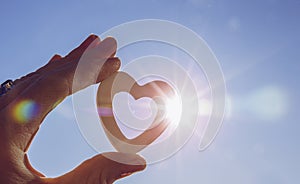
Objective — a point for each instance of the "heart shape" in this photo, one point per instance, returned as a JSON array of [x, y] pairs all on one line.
[[122, 82]]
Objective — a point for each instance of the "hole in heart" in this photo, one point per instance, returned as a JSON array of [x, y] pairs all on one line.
[[140, 108], [135, 114]]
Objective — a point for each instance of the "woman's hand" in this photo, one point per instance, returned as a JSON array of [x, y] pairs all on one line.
[[23, 108]]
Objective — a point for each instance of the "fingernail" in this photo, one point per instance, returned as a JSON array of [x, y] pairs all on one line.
[[139, 161], [92, 35], [110, 42], [107, 47]]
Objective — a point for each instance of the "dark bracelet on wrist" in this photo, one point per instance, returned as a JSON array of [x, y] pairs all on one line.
[[6, 86]]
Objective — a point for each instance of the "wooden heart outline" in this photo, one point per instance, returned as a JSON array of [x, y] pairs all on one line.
[[123, 82]]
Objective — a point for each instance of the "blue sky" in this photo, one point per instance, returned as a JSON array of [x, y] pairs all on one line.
[[256, 43]]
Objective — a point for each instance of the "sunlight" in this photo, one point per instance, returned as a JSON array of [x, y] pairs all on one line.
[[173, 108]]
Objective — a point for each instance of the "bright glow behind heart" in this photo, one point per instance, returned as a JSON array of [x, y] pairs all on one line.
[[173, 109]]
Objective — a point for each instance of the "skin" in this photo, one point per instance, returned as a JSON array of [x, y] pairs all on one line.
[[47, 87]]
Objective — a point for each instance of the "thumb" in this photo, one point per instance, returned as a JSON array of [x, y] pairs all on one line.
[[103, 169], [122, 165]]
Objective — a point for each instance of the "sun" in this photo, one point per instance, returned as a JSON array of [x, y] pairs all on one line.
[[173, 109]]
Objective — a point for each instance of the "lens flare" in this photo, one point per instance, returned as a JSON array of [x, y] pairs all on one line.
[[228, 107], [205, 107], [24, 111], [268, 103]]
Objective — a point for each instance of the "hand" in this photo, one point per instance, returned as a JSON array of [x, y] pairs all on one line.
[[42, 91]]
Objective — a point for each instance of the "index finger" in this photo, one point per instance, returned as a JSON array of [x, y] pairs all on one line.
[[35, 102]]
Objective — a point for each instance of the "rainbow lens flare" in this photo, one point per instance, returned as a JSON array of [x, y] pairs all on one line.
[[24, 111]]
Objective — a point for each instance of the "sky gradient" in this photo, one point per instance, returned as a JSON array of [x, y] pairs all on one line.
[[256, 43]]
